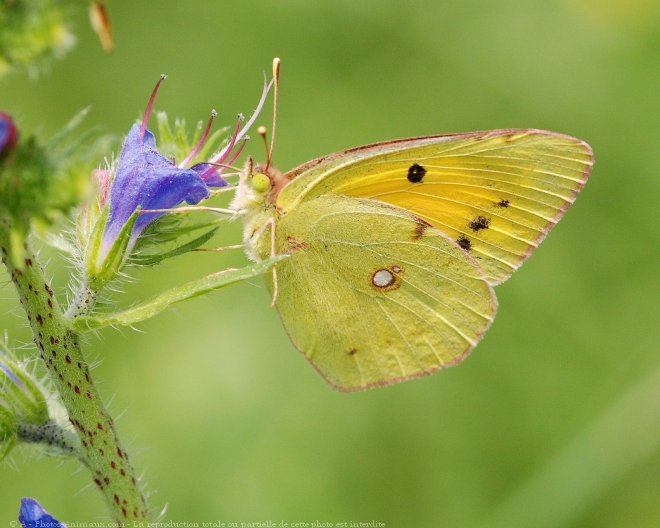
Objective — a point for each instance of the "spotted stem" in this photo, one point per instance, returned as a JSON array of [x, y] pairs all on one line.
[[59, 347]]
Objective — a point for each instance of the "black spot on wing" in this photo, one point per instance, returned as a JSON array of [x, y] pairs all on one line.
[[416, 173], [464, 242], [503, 203], [479, 223]]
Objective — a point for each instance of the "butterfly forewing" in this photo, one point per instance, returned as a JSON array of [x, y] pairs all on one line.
[[372, 295], [496, 194]]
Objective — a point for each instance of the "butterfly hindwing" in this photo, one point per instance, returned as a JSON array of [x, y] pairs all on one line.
[[373, 295], [496, 193]]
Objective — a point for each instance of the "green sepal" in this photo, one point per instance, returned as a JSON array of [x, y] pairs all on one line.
[[25, 398], [8, 431], [94, 243], [150, 260], [99, 274], [154, 306], [167, 229]]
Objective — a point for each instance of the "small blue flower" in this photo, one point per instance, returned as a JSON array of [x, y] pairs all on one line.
[[32, 515]]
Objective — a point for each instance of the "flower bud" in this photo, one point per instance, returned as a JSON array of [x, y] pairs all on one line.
[[8, 134], [39, 182], [32, 515], [21, 400], [20, 392]]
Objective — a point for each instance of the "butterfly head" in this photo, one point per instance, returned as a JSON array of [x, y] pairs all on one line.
[[261, 183], [266, 180], [258, 186]]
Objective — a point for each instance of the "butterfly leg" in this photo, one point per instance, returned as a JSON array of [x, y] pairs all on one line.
[[222, 248], [272, 254], [269, 223]]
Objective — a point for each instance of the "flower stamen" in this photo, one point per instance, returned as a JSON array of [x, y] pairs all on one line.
[[227, 150], [234, 138], [150, 104], [238, 151], [201, 141], [221, 156]]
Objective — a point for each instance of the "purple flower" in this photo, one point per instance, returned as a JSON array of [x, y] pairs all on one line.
[[147, 180], [8, 134], [32, 515]]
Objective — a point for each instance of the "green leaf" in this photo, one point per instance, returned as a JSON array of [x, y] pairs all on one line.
[[157, 304]]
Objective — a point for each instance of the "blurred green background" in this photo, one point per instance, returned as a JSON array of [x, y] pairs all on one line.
[[555, 418]]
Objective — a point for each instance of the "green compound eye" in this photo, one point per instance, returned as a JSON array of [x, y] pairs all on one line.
[[260, 183]]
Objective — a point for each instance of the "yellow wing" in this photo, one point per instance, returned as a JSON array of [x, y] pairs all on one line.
[[496, 193], [371, 296]]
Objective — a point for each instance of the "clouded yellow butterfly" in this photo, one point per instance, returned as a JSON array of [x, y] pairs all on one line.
[[395, 247]]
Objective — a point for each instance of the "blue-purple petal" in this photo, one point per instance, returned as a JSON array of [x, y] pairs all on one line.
[[32, 515], [210, 177], [145, 179]]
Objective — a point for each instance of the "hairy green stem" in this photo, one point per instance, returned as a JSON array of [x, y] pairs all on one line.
[[59, 348], [83, 302], [52, 436]]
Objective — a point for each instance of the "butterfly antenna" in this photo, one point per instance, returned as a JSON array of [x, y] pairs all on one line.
[[276, 92], [264, 137]]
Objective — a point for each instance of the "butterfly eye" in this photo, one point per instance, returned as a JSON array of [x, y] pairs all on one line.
[[260, 183]]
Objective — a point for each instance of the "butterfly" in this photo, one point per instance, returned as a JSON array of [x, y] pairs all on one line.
[[395, 247]]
